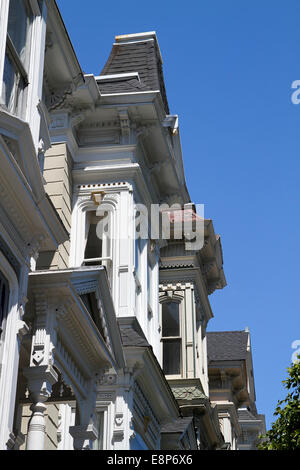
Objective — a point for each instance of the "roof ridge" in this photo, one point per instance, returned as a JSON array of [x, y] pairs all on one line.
[[226, 331]]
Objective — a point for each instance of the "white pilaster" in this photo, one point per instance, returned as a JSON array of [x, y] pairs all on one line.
[[4, 7], [9, 348], [35, 75], [123, 302]]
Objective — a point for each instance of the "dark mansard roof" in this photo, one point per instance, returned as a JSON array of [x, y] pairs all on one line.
[[227, 345], [139, 56]]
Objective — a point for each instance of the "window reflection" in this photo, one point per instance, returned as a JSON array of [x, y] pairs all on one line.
[[171, 338], [170, 319], [18, 26]]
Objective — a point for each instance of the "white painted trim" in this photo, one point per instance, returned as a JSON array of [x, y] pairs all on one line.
[[35, 73], [125, 37], [4, 7], [117, 76], [9, 350], [67, 418], [181, 301], [107, 408], [139, 93]]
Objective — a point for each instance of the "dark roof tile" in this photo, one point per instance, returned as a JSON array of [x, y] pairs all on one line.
[[131, 333], [132, 338], [227, 345], [142, 57], [246, 415]]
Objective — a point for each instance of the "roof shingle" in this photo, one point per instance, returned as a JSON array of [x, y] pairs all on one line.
[[227, 345], [141, 56]]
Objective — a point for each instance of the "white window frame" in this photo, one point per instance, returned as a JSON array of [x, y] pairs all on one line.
[[106, 407], [31, 95], [21, 67], [104, 411], [78, 235], [180, 302], [9, 353], [105, 249]]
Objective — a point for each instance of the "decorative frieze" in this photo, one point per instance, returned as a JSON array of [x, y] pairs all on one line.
[[170, 286], [105, 396]]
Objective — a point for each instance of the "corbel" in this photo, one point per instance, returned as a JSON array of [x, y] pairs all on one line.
[[97, 197]]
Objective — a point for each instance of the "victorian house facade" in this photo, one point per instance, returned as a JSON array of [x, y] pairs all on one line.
[[103, 334]]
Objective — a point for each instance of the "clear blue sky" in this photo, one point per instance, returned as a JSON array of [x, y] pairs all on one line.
[[228, 67]]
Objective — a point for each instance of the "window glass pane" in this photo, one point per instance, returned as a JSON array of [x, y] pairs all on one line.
[[13, 85], [170, 319], [9, 81], [91, 304], [172, 357], [94, 244], [18, 26]]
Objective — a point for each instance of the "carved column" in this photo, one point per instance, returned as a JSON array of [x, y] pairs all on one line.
[[40, 381], [40, 374]]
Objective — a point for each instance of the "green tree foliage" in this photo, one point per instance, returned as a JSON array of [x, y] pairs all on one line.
[[285, 432]]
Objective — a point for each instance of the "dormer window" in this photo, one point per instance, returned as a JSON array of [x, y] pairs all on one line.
[[15, 77]]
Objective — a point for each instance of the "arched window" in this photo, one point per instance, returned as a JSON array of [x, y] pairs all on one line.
[[171, 338], [94, 245], [97, 244], [92, 234]]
